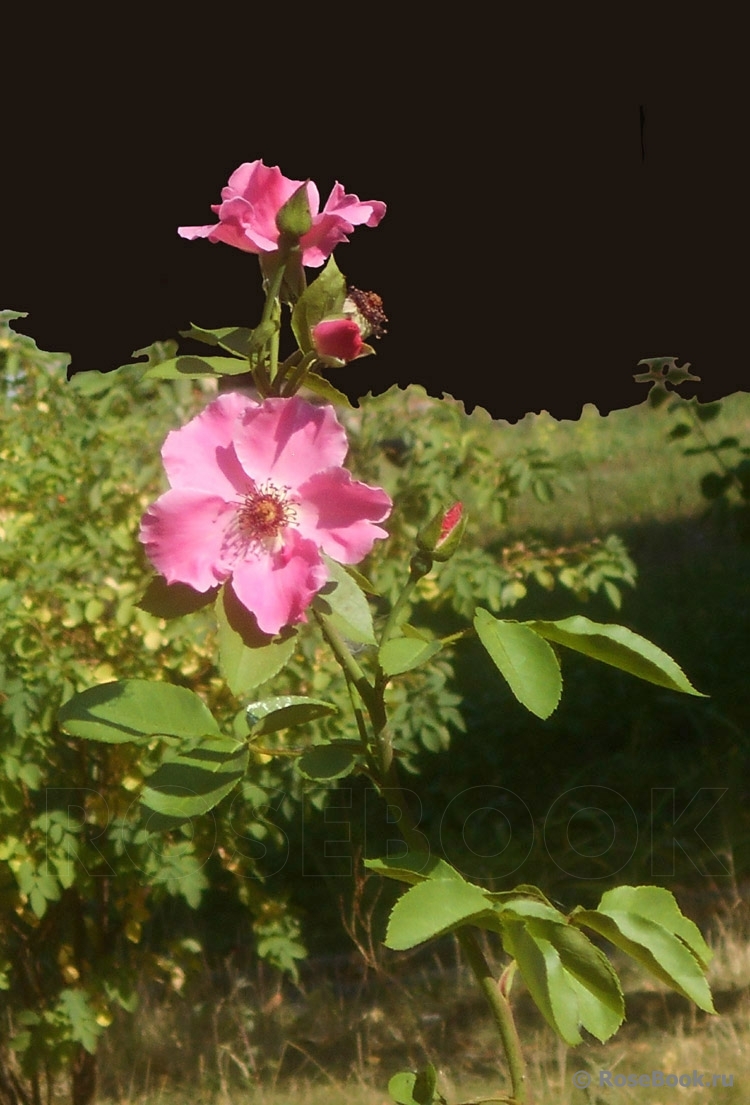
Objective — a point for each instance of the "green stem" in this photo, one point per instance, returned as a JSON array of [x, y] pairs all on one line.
[[352, 669], [501, 1012], [272, 313], [395, 617], [391, 788], [299, 373]]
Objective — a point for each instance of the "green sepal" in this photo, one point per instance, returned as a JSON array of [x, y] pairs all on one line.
[[294, 218]]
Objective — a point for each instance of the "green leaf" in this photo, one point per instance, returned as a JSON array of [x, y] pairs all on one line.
[[325, 389], [526, 661], [344, 604], [247, 656], [193, 368], [326, 761], [285, 711], [401, 654], [82, 1018], [173, 600], [434, 907], [415, 1087], [618, 646], [660, 948], [192, 783], [133, 708], [706, 412], [660, 905], [323, 298], [535, 959], [413, 867], [590, 968], [236, 339]]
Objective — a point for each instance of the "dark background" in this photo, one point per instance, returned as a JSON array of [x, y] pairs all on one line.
[[562, 201]]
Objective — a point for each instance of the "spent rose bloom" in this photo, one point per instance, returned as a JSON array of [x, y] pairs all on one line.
[[257, 493], [253, 198], [340, 338]]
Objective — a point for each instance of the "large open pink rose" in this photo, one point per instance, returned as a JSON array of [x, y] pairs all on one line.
[[257, 492], [254, 196]]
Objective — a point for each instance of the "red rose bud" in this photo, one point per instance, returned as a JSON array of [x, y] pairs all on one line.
[[442, 534], [339, 338]]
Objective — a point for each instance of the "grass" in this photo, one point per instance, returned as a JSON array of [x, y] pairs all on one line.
[[623, 470], [664, 1033]]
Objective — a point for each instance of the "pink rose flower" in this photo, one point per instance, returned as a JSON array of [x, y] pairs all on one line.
[[254, 196], [257, 493], [338, 337]]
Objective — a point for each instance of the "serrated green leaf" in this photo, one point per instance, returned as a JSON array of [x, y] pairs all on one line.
[[413, 867], [284, 712], [661, 952], [658, 904], [345, 605], [247, 657], [323, 388], [619, 647], [133, 708], [433, 907], [236, 339], [589, 967], [326, 761], [193, 368], [190, 784], [402, 654], [525, 660]]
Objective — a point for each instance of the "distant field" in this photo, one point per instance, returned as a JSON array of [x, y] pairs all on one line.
[[623, 468]]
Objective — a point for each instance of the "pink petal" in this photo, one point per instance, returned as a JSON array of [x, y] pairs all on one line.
[[200, 454], [288, 440], [338, 514], [183, 534], [278, 587], [249, 205], [352, 209], [338, 218]]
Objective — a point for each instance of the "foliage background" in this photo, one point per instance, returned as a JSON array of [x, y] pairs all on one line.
[[91, 902]]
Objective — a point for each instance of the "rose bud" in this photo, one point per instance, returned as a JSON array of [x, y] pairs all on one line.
[[340, 339], [442, 535]]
